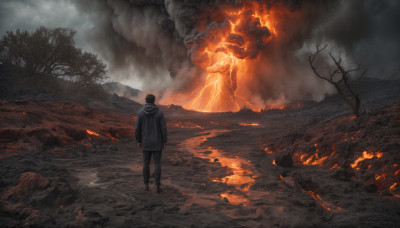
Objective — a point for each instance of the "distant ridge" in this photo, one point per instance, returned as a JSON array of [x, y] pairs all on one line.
[[120, 89]]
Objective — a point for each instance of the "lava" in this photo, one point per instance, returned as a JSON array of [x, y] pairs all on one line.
[[240, 178], [326, 205], [365, 155], [249, 124], [92, 132]]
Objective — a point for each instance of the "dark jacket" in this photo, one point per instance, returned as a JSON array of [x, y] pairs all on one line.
[[151, 129]]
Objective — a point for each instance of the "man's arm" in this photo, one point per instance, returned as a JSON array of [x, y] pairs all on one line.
[[138, 131], [163, 126]]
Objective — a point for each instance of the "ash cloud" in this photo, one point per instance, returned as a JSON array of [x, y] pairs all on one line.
[[155, 41]]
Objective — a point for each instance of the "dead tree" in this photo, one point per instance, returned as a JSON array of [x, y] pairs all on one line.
[[340, 78]]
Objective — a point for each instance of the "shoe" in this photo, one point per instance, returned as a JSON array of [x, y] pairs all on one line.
[[159, 189], [146, 187]]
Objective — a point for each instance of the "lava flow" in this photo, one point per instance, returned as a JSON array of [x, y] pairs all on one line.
[[225, 54]]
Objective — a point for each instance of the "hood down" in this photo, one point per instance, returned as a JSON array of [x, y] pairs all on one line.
[[150, 109]]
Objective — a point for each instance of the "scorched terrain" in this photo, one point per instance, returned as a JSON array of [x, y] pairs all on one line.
[[69, 164]]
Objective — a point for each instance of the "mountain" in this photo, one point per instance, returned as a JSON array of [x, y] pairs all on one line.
[[120, 89]]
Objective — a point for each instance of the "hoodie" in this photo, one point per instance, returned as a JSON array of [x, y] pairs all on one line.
[[151, 129]]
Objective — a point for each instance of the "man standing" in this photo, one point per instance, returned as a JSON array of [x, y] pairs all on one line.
[[151, 137]]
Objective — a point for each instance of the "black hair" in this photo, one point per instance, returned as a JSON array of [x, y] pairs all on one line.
[[150, 98]]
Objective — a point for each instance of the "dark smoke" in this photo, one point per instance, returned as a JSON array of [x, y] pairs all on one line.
[[157, 41]]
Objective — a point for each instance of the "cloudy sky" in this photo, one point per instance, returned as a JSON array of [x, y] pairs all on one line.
[[376, 38], [30, 14]]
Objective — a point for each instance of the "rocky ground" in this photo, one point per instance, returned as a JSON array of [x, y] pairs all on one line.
[[65, 164]]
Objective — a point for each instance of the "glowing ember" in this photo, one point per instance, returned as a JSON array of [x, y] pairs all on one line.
[[111, 137], [185, 124], [393, 186], [92, 132], [326, 205], [273, 162], [268, 151], [335, 166], [249, 124], [365, 155]]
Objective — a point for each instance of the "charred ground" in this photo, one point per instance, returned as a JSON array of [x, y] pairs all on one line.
[[68, 162]]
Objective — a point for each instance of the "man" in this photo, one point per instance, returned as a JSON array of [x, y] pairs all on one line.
[[151, 137]]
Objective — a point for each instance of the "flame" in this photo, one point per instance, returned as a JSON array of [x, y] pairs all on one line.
[[225, 54], [273, 162], [92, 132], [365, 155]]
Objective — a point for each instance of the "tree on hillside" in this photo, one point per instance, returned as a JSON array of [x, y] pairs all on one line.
[[340, 78], [51, 53]]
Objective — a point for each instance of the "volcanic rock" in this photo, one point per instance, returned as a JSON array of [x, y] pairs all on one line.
[[29, 183], [284, 159]]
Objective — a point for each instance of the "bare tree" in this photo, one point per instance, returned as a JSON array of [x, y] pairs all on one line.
[[340, 78], [51, 53]]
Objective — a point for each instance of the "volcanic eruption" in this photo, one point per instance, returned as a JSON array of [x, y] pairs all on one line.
[[218, 56]]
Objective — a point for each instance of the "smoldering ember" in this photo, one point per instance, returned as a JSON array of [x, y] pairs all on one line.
[[279, 113]]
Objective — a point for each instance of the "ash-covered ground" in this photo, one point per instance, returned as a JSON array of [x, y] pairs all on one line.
[[66, 164]]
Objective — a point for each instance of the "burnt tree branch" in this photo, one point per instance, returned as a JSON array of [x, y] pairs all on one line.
[[353, 100]]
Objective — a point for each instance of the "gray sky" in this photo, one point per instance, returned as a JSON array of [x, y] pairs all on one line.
[[30, 14]]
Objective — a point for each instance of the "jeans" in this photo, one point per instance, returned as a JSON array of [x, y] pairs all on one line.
[[146, 166]]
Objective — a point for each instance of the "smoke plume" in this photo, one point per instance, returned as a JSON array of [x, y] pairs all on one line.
[[161, 43]]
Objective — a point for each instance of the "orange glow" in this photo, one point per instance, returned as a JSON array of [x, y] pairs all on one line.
[[235, 199], [225, 56], [393, 186], [382, 176], [335, 166], [273, 162], [326, 205], [240, 175], [268, 151], [110, 137], [365, 155], [186, 124], [92, 132], [248, 124]]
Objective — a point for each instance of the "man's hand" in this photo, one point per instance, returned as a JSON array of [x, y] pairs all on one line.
[[140, 145], [164, 146]]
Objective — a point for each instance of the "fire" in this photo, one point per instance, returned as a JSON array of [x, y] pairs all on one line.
[[365, 155], [92, 132], [225, 54]]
